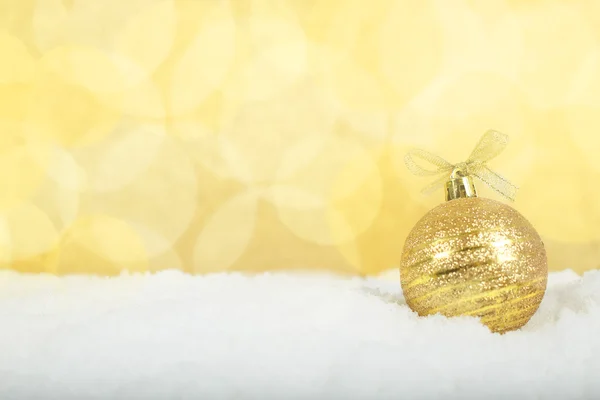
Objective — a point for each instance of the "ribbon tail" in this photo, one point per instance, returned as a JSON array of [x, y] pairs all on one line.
[[497, 182], [414, 167], [491, 144], [435, 185]]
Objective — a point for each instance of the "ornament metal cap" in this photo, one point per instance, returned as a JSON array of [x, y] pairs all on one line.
[[460, 186]]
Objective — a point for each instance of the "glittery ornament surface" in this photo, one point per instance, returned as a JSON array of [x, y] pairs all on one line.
[[477, 257]]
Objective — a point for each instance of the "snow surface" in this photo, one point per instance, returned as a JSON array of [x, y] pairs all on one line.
[[282, 336]]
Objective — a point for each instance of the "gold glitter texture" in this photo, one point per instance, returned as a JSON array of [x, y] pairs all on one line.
[[475, 257]]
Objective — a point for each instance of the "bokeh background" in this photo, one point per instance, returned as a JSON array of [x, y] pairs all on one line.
[[254, 135]]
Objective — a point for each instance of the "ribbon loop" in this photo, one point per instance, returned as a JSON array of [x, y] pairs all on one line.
[[491, 144]]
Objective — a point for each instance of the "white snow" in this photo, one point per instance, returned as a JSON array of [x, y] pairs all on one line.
[[282, 336]]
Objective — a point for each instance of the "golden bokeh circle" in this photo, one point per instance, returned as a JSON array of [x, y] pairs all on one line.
[[377, 247], [559, 160], [547, 69], [280, 147], [112, 163], [226, 235], [102, 244], [205, 62], [148, 199], [404, 62], [67, 113], [17, 65], [32, 233], [22, 165], [335, 196], [274, 57]]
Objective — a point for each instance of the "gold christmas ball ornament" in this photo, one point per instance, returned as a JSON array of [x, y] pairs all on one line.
[[473, 256]]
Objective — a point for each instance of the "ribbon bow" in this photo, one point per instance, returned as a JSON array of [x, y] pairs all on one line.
[[490, 145]]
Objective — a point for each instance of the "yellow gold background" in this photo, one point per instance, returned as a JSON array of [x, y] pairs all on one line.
[[253, 135]]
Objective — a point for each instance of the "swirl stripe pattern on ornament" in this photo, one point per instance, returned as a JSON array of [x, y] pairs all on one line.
[[461, 288], [447, 254], [489, 293], [484, 310], [517, 312], [516, 324], [517, 297], [474, 264], [475, 236], [470, 257], [510, 319]]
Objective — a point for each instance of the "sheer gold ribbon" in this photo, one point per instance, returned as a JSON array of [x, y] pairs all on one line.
[[490, 145]]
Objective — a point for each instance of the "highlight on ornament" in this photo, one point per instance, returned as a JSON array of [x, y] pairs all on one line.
[[473, 256]]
